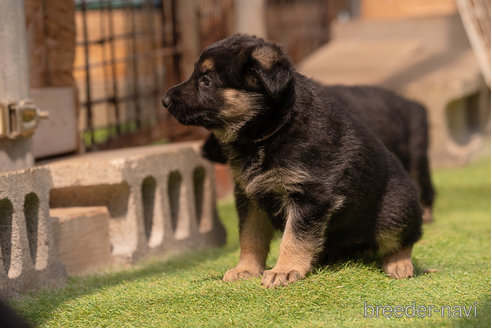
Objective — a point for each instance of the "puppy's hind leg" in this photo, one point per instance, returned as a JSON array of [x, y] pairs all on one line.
[[419, 162], [399, 264], [255, 234], [397, 255], [399, 227]]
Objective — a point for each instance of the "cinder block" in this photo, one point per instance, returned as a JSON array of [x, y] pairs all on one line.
[[458, 114], [81, 237], [158, 197], [28, 258]]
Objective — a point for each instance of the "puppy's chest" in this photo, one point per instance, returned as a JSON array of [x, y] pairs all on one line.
[[258, 179]]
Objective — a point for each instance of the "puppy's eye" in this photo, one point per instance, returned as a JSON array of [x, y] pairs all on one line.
[[205, 80]]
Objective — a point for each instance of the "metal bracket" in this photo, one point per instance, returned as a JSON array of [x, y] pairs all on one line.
[[19, 119]]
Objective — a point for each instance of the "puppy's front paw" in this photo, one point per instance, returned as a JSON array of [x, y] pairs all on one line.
[[427, 215], [276, 277], [235, 274]]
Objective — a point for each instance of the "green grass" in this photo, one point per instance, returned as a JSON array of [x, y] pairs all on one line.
[[186, 290], [103, 134]]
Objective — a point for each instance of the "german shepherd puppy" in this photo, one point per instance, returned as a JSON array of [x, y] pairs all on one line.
[[400, 124], [301, 164]]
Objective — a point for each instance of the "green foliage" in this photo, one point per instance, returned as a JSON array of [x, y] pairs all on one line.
[[186, 290]]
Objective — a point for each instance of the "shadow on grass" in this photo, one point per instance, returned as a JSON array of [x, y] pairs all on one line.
[[482, 318], [38, 306], [373, 262]]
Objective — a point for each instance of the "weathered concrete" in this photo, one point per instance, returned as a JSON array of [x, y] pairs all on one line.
[[28, 258], [108, 208], [158, 197], [14, 80], [428, 60], [81, 236]]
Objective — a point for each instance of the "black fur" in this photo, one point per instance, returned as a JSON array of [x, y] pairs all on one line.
[[399, 123], [297, 153], [9, 318]]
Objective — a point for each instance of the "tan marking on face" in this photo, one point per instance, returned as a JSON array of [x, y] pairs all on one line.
[[207, 65], [266, 56], [237, 103], [239, 107]]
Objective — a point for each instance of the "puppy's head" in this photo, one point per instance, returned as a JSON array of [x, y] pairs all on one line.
[[234, 81]]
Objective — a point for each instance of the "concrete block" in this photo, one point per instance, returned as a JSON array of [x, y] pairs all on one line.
[[81, 237], [158, 197], [28, 258], [108, 207], [458, 113]]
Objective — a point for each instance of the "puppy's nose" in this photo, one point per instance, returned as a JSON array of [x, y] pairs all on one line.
[[166, 101]]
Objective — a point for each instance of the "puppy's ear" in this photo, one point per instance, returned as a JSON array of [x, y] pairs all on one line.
[[273, 68]]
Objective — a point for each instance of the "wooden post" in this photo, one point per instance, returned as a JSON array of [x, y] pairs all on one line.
[[250, 16]]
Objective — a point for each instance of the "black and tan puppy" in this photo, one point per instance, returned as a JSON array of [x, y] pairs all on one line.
[[399, 123], [301, 164]]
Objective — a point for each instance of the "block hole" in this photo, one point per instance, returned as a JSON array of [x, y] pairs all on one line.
[[114, 196], [174, 193], [6, 214], [31, 213], [468, 117], [148, 198], [198, 182]]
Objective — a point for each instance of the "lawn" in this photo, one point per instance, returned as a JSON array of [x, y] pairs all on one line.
[[186, 290]]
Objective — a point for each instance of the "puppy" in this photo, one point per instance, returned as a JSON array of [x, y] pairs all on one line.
[[301, 164], [399, 123]]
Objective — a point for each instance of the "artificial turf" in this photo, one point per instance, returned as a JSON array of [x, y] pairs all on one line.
[[186, 290]]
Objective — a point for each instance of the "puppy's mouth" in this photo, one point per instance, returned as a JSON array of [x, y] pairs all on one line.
[[189, 116]]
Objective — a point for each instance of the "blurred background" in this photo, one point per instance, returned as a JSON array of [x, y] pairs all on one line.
[[100, 67]]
